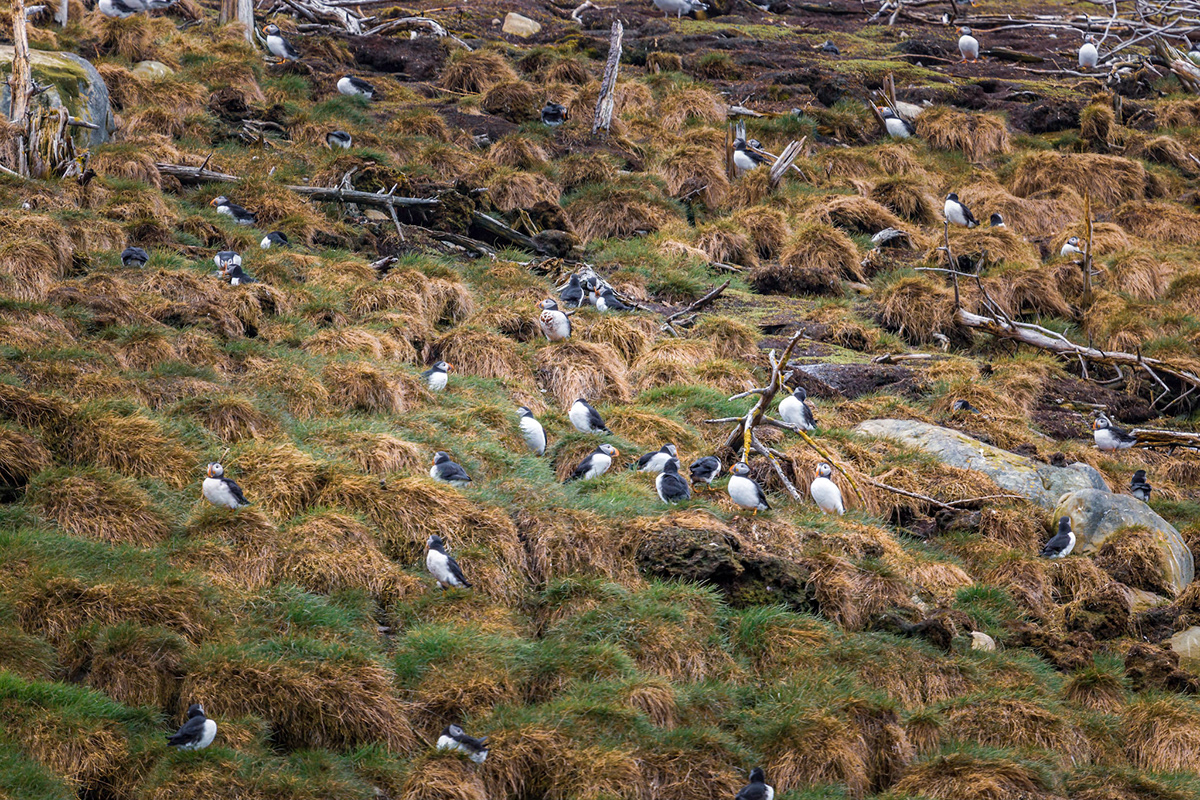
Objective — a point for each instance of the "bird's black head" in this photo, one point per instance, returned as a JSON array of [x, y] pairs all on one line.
[[524, 412], [757, 775], [1064, 525], [453, 731], [440, 456], [434, 542], [800, 394], [952, 196], [672, 465], [195, 710], [441, 366], [573, 280], [996, 220], [549, 305], [1139, 476], [739, 144], [1101, 423]]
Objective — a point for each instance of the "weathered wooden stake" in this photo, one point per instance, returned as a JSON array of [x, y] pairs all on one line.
[[239, 11], [20, 84], [608, 89]]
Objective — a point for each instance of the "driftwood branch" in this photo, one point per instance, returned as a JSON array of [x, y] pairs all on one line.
[[608, 88], [699, 304]]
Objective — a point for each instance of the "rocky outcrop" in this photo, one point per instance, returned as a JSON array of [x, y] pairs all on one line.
[[74, 84], [1097, 515], [1041, 483]]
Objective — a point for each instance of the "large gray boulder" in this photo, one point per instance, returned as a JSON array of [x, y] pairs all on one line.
[[1041, 483], [74, 84], [1096, 515]]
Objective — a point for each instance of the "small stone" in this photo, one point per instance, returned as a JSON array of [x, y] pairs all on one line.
[[981, 641], [521, 26], [152, 70]]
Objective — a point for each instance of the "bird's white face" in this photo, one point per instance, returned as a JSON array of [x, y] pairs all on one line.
[[215, 470], [549, 305], [1074, 240], [609, 450], [741, 470], [824, 471], [1100, 424], [965, 31], [271, 30], [671, 449]]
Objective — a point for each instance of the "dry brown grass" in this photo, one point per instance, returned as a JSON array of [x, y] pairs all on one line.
[[680, 106], [579, 169], [484, 354], [286, 479], [630, 335], [99, 505], [814, 261], [518, 152], [906, 197], [543, 761], [1107, 237], [1001, 246], [35, 251], [474, 72], [1138, 274], [976, 136], [1041, 214], [671, 361], [617, 212], [1161, 734], [1159, 222], [856, 214], [361, 386], [574, 369], [726, 242], [958, 775], [360, 342], [237, 549], [513, 189], [1133, 557], [134, 665], [1013, 722], [917, 307], [564, 542], [231, 418], [421, 122], [1095, 689], [515, 100], [693, 170], [21, 457], [439, 774], [1028, 290], [767, 227], [730, 337], [1110, 179]]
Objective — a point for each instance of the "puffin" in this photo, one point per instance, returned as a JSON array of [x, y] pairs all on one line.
[[442, 566], [897, 127], [196, 733], [134, 257], [1110, 437], [957, 213], [447, 471], [745, 158], [593, 285], [656, 461], [744, 490], [338, 139], [454, 738], [555, 325], [825, 492], [240, 215], [680, 7], [119, 9], [572, 293], [671, 486], [279, 46], [996, 221], [585, 418], [236, 276], [758, 788], [1139, 487], [274, 239], [1071, 248], [595, 464], [532, 430], [222, 491], [554, 114], [355, 87], [226, 259], [968, 45], [1062, 543], [964, 406], [796, 412], [437, 375], [829, 48], [607, 300], [705, 470], [1089, 55]]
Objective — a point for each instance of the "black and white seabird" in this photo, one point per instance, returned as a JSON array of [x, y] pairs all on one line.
[[607, 300], [226, 259], [680, 7], [745, 158], [437, 375], [274, 239], [964, 406], [897, 127], [532, 430], [744, 490], [134, 257], [353, 86], [996, 221], [240, 215], [555, 325], [1139, 487], [196, 733], [572, 294], [595, 464], [957, 213], [339, 139], [1071, 247], [237, 276], [968, 45], [554, 114], [671, 486], [593, 287], [442, 566], [794, 410], [829, 48], [1089, 55], [758, 788], [1062, 543], [705, 470], [585, 418], [657, 460], [278, 46], [825, 492], [447, 471], [1110, 437], [454, 738], [222, 491], [122, 9]]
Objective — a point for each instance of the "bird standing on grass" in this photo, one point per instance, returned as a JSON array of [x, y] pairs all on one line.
[[229, 209], [572, 293], [829, 48], [671, 486], [705, 470], [744, 490], [447, 471], [657, 460], [680, 7], [554, 114], [355, 87], [968, 45], [437, 375], [274, 239], [1071, 248], [746, 159], [1139, 487], [532, 430], [585, 418], [758, 788], [455, 738], [608, 301], [957, 213], [222, 491], [794, 410], [996, 221], [595, 464], [897, 127], [1110, 437], [225, 259], [338, 139], [236, 276], [278, 46], [196, 733], [134, 257], [1089, 55], [442, 566], [555, 325], [1062, 543], [825, 492]]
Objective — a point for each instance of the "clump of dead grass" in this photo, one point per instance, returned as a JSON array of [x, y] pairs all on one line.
[[1110, 179], [855, 214], [1133, 557], [906, 197], [1137, 274], [473, 72], [976, 136], [362, 386], [692, 170], [1162, 733], [514, 100], [98, 504], [485, 354], [628, 334], [767, 227], [682, 105], [575, 369], [917, 307], [814, 261], [954, 776], [605, 211], [1159, 222]]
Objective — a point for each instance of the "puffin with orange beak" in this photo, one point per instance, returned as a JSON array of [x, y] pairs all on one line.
[[240, 215], [279, 46], [222, 491], [595, 465], [1110, 437], [447, 471], [825, 493], [437, 375]]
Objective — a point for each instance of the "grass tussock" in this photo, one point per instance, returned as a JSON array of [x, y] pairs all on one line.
[[473, 72], [235, 548], [855, 214], [1159, 222], [629, 335], [917, 307], [1138, 274], [976, 136], [483, 354], [574, 369], [231, 418], [515, 101], [361, 386], [1161, 734], [21, 457], [1110, 180], [603, 212], [683, 105], [100, 505], [963, 774], [814, 261], [694, 171], [906, 197], [1133, 557]]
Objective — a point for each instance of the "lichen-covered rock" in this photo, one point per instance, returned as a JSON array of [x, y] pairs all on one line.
[[1041, 483], [1187, 644], [74, 84], [1096, 515]]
